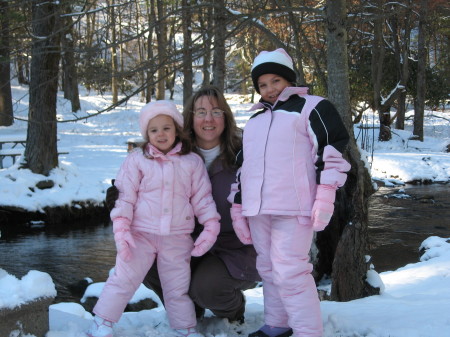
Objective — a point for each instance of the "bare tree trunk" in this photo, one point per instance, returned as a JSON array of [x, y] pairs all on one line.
[[161, 36], [319, 70], [337, 63], [171, 67], [187, 51], [150, 88], [70, 76], [206, 25], [6, 108], [141, 51], [119, 37], [350, 221], [298, 55], [247, 55], [400, 116], [219, 65], [23, 70], [419, 104], [401, 42], [401, 111], [377, 72], [114, 63], [349, 276], [41, 154], [90, 23], [91, 28]]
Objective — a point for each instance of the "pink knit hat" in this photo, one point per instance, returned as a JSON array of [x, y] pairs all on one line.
[[273, 62], [153, 109]]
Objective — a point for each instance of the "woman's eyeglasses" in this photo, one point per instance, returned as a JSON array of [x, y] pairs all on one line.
[[215, 113]]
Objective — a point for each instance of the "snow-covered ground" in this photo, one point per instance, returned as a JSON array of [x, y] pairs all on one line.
[[415, 301]]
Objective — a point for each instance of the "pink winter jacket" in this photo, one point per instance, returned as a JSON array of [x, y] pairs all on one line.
[[288, 150], [163, 195]]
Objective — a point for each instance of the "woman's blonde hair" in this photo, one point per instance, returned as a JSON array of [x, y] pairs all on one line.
[[231, 137]]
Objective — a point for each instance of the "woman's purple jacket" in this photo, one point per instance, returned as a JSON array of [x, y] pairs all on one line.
[[239, 259]]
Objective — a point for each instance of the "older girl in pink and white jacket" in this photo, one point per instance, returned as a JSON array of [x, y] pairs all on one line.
[[162, 188], [291, 167]]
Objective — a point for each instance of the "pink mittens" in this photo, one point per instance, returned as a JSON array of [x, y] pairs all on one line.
[[124, 240], [207, 238], [323, 207], [240, 224]]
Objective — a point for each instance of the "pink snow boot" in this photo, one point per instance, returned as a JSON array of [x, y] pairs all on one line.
[[100, 328]]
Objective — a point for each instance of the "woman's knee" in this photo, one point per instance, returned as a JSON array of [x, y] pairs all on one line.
[[211, 283], [202, 291]]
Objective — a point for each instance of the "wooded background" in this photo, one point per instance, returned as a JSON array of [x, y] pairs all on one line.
[[145, 46], [377, 54]]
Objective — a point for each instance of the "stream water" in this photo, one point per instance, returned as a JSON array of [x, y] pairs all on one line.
[[399, 222], [401, 218]]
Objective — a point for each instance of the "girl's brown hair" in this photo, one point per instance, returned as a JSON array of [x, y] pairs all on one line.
[[231, 137]]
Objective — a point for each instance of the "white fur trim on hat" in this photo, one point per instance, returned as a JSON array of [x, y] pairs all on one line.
[[153, 109], [273, 62]]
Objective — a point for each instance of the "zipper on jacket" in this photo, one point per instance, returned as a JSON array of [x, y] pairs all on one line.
[[269, 108]]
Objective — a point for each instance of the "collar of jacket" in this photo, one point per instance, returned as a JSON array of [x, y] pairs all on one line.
[[153, 152], [216, 166], [285, 94]]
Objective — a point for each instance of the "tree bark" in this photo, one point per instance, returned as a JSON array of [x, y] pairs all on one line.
[[350, 266], [141, 52], [400, 115], [219, 66], [377, 71], [41, 154], [161, 36], [298, 56], [150, 85], [206, 25], [6, 108], [114, 63], [344, 242], [401, 36], [70, 77], [187, 51], [419, 104], [23, 70]]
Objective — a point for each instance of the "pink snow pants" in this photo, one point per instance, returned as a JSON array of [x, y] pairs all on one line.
[[290, 294], [173, 254]]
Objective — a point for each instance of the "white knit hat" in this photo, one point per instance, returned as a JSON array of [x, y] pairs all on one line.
[[273, 62], [153, 109]]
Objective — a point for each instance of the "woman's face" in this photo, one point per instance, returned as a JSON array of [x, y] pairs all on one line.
[[208, 128]]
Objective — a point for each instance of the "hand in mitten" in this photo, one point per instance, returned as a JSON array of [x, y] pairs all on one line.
[[112, 193], [207, 238], [323, 207], [124, 240], [240, 225]]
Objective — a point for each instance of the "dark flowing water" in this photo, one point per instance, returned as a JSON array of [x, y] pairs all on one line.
[[398, 225], [399, 222], [67, 256]]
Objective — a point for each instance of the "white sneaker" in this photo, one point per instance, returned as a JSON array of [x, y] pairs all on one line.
[[100, 328], [190, 332]]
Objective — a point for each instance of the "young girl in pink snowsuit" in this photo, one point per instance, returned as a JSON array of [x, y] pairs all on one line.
[[291, 167], [161, 189]]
